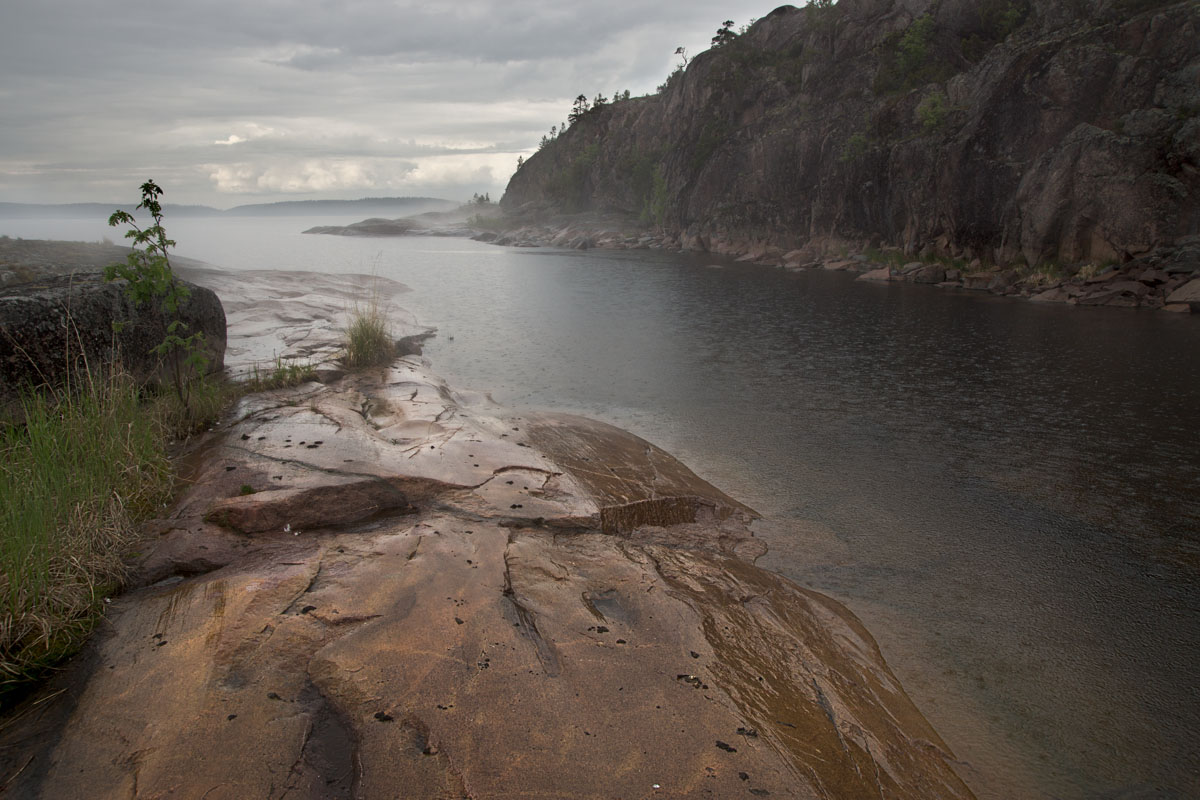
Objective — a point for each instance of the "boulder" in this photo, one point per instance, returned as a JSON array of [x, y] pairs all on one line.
[[54, 327], [1055, 295], [1188, 293], [1003, 281], [881, 274], [979, 281], [931, 273]]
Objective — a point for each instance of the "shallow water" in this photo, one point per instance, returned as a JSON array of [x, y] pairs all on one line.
[[1008, 494]]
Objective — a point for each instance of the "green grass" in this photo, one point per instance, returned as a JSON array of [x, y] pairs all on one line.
[[284, 375], [78, 473], [368, 339]]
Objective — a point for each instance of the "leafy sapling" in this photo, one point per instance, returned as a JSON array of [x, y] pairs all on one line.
[[150, 281]]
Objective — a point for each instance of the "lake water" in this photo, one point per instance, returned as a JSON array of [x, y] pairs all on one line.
[[1008, 494]]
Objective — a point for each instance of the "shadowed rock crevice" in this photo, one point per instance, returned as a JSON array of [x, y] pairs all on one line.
[[328, 765], [547, 654]]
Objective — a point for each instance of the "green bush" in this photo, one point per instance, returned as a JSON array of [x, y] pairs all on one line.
[[912, 58], [932, 112], [854, 149]]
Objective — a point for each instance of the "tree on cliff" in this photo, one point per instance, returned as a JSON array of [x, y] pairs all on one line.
[[579, 109], [725, 34]]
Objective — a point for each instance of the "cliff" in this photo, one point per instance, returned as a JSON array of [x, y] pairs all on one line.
[[1004, 130]]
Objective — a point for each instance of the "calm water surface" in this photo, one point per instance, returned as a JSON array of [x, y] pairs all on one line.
[[1007, 494]]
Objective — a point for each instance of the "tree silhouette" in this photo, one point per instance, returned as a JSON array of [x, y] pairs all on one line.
[[579, 109], [725, 34]]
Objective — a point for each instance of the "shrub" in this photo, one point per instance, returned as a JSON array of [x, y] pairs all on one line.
[[912, 59], [933, 111], [854, 149]]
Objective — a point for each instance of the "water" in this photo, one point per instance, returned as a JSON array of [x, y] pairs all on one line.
[[1008, 494]]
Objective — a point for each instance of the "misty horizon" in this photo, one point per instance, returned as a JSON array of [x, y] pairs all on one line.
[[233, 104]]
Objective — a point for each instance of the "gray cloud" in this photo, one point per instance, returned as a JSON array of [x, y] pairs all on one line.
[[227, 102]]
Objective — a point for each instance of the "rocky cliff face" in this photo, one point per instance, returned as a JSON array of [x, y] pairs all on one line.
[[1064, 131]]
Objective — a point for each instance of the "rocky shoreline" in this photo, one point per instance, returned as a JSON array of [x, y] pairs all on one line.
[[376, 584], [1167, 278]]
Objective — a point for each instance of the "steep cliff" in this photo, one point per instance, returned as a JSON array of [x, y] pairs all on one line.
[[1062, 131]]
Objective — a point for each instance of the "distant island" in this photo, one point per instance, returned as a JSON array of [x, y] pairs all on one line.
[[375, 206]]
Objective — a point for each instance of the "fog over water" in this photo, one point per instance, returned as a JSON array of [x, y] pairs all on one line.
[[1007, 493]]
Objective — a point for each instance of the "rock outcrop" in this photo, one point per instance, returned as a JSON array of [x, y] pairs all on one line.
[[398, 594], [373, 587], [55, 326], [1009, 131]]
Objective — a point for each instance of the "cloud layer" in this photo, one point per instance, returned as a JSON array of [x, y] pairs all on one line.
[[227, 102]]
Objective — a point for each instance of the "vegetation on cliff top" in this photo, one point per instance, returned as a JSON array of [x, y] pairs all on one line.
[[947, 124]]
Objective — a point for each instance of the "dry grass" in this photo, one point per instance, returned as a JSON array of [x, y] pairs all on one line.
[[78, 473]]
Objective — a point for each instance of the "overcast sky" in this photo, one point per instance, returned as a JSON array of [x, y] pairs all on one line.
[[225, 102]]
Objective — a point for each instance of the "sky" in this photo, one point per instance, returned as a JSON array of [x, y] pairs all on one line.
[[227, 102]]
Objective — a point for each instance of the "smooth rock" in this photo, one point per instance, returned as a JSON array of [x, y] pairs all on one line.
[[1188, 293], [881, 274], [978, 281], [1055, 295], [931, 273], [527, 625], [445, 600]]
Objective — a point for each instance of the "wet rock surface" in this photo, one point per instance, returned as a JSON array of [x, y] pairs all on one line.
[[296, 317], [371, 589]]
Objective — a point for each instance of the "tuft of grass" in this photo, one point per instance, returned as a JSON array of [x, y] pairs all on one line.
[[78, 473], [368, 339], [178, 418], [285, 375]]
